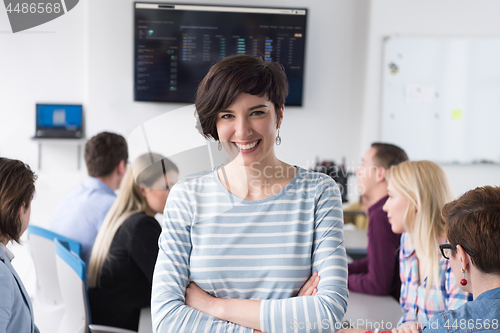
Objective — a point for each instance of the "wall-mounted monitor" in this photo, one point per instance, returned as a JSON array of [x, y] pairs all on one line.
[[176, 44]]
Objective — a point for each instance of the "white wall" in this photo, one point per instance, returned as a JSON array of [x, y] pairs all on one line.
[[425, 18], [43, 64]]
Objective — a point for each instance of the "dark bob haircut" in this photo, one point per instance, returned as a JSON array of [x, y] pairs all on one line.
[[473, 222], [234, 75], [17, 187]]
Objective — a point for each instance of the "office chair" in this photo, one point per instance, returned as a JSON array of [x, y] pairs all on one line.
[[48, 303], [72, 278]]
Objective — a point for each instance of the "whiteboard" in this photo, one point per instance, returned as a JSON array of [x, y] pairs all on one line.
[[441, 98]]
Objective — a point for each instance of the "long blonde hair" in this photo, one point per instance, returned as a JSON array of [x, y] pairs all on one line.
[[425, 185], [145, 170]]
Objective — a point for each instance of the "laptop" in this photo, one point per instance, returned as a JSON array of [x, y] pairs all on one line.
[[58, 121]]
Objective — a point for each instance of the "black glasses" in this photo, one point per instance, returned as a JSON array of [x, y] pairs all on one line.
[[447, 248]]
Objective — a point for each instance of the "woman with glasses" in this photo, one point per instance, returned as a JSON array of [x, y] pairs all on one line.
[[473, 252], [417, 192]]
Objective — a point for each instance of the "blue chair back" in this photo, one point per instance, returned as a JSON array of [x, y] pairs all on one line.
[[74, 246], [72, 280]]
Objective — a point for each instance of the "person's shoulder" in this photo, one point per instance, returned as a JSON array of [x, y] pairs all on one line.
[[470, 317], [99, 202], [7, 285], [69, 200], [136, 218], [437, 324], [319, 186], [311, 178], [199, 182], [5, 274], [312, 175], [377, 215], [137, 221]]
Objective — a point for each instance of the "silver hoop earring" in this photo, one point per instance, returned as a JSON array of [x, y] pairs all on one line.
[[278, 138], [219, 146]]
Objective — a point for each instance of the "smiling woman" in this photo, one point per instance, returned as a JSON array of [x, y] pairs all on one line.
[[245, 246]]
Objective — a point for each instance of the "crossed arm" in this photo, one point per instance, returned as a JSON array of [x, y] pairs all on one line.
[[244, 312]]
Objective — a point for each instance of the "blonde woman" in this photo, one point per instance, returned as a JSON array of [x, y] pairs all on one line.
[[124, 254], [417, 192]]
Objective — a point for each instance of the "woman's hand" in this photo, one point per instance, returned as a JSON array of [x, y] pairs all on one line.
[[200, 300], [310, 288], [408, 327]]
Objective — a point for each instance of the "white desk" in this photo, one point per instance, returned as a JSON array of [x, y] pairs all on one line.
[[145, 325], [364, 310], [356, 241]]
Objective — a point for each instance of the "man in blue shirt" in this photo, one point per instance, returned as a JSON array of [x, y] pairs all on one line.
[[81, 213]]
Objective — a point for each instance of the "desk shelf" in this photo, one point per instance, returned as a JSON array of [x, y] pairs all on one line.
[[60, 141]]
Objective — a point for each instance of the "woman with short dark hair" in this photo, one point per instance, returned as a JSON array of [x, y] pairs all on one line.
[[249, 234], [473, 250], [17, 187]]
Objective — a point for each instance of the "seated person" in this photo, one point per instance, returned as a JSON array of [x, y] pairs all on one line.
[[17, 187], [80, 214], [121, 266], [378, 273], [417, 192], [473, 223]]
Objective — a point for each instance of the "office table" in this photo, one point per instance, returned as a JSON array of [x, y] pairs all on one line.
[[371, 311], [356, 242], [145, 325]]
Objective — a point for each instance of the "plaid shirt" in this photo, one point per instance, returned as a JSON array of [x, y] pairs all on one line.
[[445, 296]]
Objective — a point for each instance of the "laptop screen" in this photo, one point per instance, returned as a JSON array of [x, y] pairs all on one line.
[[68, 117]]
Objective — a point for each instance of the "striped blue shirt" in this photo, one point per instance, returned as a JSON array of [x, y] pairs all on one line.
[[264, 249]]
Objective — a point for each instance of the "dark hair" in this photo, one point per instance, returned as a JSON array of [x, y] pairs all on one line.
[[388, 155], [234, 75], [473, 222], [104, 152], [17, 187]]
